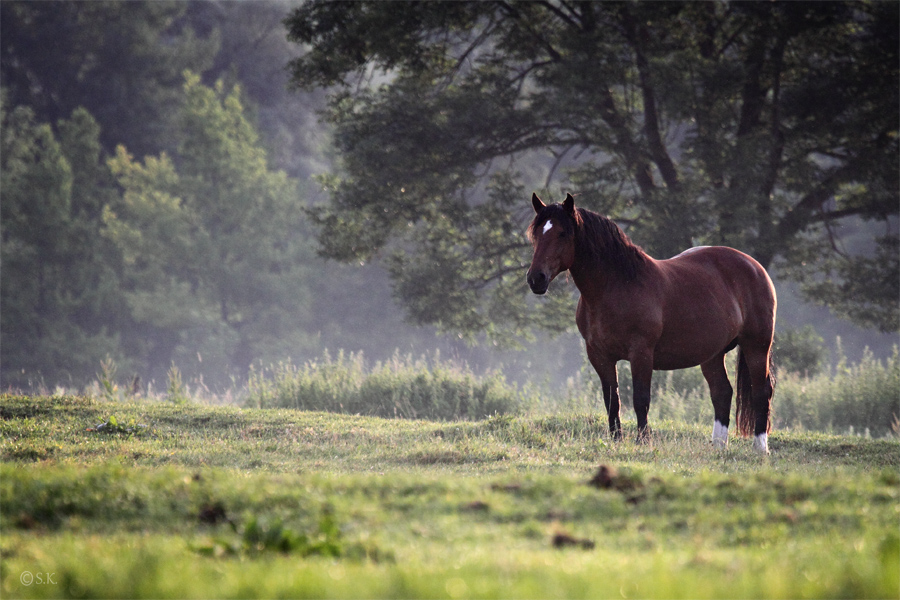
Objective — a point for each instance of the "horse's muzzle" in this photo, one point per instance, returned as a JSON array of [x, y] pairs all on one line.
[[538, 282]]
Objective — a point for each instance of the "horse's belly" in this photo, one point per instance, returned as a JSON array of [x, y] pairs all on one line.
[[663, 361], [684, 350]]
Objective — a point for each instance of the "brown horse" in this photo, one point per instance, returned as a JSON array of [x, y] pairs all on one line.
[[662, 314]]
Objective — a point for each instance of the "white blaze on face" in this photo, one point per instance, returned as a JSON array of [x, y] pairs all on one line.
[[547, 227], [720, 435]]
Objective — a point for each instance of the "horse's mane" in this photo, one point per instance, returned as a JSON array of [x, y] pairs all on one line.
[[598, 240]]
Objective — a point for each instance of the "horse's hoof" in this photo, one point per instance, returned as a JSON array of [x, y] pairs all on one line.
[[645, 436], [720, 435], [761, 443]]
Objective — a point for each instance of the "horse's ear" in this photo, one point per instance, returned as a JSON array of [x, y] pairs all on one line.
[[537, 204], [569, 204]]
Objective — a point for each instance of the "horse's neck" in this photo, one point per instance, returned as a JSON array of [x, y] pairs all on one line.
[[594, 279], [591, 279]]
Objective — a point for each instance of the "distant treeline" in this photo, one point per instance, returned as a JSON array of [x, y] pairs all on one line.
[[177, 175]]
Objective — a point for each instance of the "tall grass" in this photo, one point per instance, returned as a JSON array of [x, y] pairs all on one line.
[[677, 395], [402, 387], [859, 398]]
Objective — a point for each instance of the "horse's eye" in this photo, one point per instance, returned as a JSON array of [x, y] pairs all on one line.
[[563, 235]]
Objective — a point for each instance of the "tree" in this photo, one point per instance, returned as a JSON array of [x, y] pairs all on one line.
[[762, 126], [122, 61], [253, 52], [212, 238], [61, 305]]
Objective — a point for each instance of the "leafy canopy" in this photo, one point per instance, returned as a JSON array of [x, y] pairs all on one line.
[[762, 126], [122, 61]]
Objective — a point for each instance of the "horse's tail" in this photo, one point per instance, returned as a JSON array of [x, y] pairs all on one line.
[[745, 412]]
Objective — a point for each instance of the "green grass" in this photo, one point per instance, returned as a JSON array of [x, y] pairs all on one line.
[[185, 500]]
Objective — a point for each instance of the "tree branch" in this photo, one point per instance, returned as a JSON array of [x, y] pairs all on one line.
[[795, 220], [636, 34], [777, 141], [752, 94], [559, 13], [513, 13], [630, 150]]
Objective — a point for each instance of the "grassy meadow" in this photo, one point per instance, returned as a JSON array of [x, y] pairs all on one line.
[[137, 498]]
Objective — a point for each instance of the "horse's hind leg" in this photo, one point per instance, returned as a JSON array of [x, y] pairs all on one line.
[[763, 386], [755, 387], [720, 391]]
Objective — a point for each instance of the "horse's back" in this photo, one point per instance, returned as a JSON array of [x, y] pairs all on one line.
[[726, 264], [727, 272]]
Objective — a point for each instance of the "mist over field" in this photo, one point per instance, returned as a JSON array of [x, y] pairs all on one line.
[[266, 330], [174, 176]]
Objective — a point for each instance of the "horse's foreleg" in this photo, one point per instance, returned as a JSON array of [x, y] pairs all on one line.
[[609, 381], [720, 391], [641, 377], [611, 400]]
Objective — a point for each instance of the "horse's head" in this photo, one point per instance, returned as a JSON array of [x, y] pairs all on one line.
[[552, 233]]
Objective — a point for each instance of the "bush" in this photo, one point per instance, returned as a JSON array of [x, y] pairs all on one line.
[[799, 351], [851, 398], [398, 388]]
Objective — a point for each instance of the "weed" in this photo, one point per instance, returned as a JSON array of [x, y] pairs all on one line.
[[176, 391], [859, 398], [112, 426], [847, 398], [259, 535], [106, 379]]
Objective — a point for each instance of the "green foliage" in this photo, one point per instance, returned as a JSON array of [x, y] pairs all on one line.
[[800, 350], [860, 398], [78, 81], [401, 387], [863, 289], [212, 246], [106, 379], [122, 61], [744, 125], [61, 302], [112, 426], [258, 536], [167, 261]]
